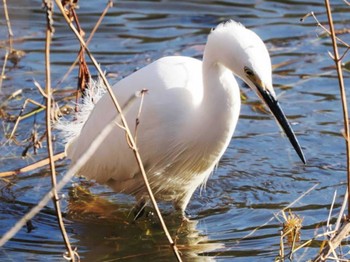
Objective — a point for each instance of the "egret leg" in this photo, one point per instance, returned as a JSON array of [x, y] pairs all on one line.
[[139, 209]]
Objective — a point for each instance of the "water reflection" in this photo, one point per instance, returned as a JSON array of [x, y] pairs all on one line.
[[107, 231]]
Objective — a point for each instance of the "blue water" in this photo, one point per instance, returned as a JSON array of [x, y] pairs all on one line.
[[259, 174]]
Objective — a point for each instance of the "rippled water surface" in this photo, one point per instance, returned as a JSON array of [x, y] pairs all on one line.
[[259, 174]]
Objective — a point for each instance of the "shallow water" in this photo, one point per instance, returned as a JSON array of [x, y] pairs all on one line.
[[259, 174]]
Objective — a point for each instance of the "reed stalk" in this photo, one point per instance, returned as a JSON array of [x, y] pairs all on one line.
[[48, 96]]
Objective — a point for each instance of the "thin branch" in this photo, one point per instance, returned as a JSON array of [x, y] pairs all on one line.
[[328, 226], [333, 243], [137, 121], [10, 36], [344, 54], [128, 132], [84, 75], [342, 93], [324, 28], [42, 92], [49, 31], [341, 212], [33, 166], [21, 117], [98, 23], [10, 33], [3, 76]]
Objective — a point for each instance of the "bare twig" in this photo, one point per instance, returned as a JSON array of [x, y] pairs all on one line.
[[99, 21], [128, 132], [341, 212], [324, 28], [328, 226], [83, 74], [49, 31], [281, 250], [137, 121], [33, 166], [343, 95], [10, 33], [333, 243], [10, 36], [21, 117], [3, 76], [108, 6]]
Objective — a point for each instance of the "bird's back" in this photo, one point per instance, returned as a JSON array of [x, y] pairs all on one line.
[[175, 90]]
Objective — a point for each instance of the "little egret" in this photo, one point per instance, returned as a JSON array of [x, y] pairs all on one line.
[[187, 118]]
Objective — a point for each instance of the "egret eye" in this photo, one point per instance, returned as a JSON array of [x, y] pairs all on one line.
[[248, 71]]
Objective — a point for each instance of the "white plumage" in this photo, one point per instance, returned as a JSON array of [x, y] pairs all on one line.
[[187, 119]]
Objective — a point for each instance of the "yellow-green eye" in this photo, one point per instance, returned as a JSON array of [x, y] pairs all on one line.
[[248, 71]]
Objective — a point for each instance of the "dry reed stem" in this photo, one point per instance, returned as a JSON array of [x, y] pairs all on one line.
[[10, 36], [11, 96], [127, 130], [10, 33], [84, 73], [49, 31], [341, 212], [281, 250], [291, 231], [332, 244], [137, 121], [33, 166], [328, 226], [337, 61], [21, 117], [98, 23], [2, 76], [324, 28], [335, 241]]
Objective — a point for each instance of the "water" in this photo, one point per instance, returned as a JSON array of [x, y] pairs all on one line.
[[259, 174]]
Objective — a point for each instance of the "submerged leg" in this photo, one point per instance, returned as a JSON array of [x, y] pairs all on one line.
[[139, 209]]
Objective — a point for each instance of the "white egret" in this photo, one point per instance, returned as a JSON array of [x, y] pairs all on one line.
[[187, 119]]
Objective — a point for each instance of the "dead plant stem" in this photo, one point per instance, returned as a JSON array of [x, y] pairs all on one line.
[[127, 130], [335, 241], [33, 166], [341, 212], [84, 75], [98, 23], [55, 197], [20, 117], [325, 29], [343, 94], [10, 33], [10, 36]]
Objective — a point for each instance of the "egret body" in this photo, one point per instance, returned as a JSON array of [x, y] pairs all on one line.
[[187, 118]]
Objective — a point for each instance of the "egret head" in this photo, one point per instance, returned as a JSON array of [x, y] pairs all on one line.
[[245, 54]]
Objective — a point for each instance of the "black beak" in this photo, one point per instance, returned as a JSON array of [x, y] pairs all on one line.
[[276, 110]]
